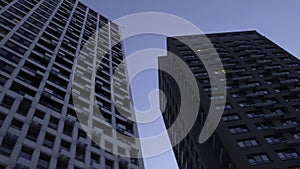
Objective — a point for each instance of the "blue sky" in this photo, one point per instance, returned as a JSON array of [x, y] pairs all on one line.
[[277, 20]]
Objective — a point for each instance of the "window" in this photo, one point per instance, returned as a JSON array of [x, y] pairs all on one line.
[[201, 74], [230, 117], [9, 56], [2, 118], [204, 80], [5, 67], [3, 79], [26, 33], [271, 100], [39, 114], [15, 47], [62, 164], [8, 144], [291, 98], [297, 135], [43, 162], [255, 114], [17, 124], [256, 159], [7, 101], [261, 92], [289, 81], [245, 104], [217, 97], [30, 28], [292, 121], [26, 152], [53, 122], [264, 125], [134, 161], [24, 107], [293, 64], [226, 107], [109, 164], [275, 139], [81, 134], [80, 152], [208, 88], [65, 145], [280, 89], [95, 157], [288, 154], [279, 111], [21, 7], [17, 166], [49, 140], [21, 40], [7, 23], [33, 132], [248, 143], [68, 129], [238, 129], [4, 30], [236, 95], [272, 82]]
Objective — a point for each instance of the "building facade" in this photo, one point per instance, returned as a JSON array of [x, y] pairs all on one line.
[[40, 41], [260, 126]]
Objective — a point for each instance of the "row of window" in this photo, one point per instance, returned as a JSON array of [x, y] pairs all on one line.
[[27, 151], [271, 139], [263, 126], [9, 142], [264, 158]]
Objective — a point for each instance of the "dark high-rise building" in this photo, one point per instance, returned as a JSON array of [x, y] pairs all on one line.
[[260, 127], [40, 41]]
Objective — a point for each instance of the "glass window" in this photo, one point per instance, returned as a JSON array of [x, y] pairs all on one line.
[[292, 121], [109, 164], [24, 107], [26, 152], [230, 117], [49, 140], [13, 46], [7, 101], [53, 122], [264, 125], [5, 67], [238, 129], [288, 154], [8, 144], [248, 143], [275, 139], [255, 114], [43, 162], [255, 159], [65, 145], [17, 124]]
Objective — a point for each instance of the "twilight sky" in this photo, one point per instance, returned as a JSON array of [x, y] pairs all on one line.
[[278, 20]]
